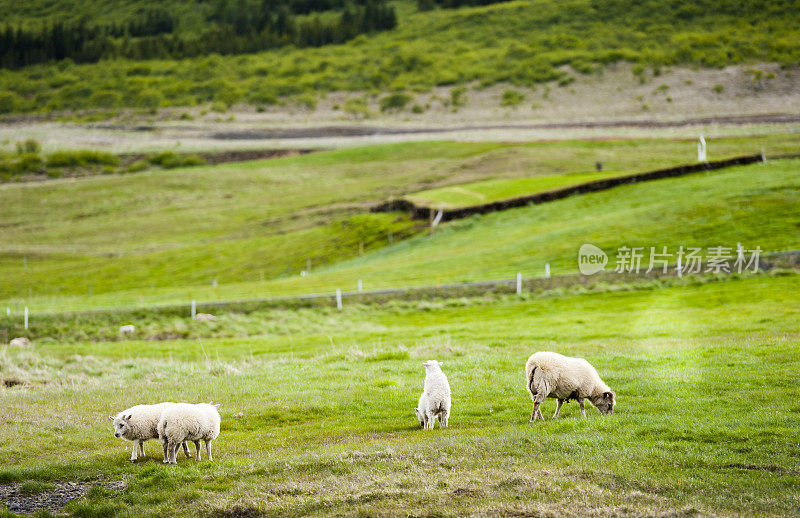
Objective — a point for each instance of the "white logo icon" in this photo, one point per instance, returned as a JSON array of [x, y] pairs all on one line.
[[591, 259]]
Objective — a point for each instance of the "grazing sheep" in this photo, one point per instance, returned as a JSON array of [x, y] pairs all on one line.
[[127, 329], [184, 422], [435, 399], [20, 342], [140, 423], [205, 317], [553, 375]]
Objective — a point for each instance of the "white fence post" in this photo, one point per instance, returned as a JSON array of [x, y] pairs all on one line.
[[360, 285], [701, 150], [26, 318], [8, 311], [194, 309], [338, 298], [679, 268], [547, 270], [438, 218], [519, 283]]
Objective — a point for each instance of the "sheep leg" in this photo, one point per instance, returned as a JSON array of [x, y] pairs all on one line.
[[135, 447], [208, 450], [535, 411], [558, 408], [173, 452], [141, 448], [186, 450], [539, 410], [196, 450], [430, 420], [165, 447], [443, 418], [583, 410]]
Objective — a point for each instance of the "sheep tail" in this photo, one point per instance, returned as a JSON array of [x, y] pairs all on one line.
[[531, 386]]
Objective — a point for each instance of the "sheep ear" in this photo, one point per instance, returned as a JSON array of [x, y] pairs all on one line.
[[608, 395], [217, 405], [111, 417], [440, 363], [128, 417]]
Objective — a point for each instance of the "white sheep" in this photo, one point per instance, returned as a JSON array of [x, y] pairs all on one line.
[[205, 317], [140, 423], [549, 374], [20, 341], [185, 422], [435, 399], [127, 329]]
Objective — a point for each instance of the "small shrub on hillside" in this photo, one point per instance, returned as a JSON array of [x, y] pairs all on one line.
[[105, 99], [165, 159], [357, 107], [150, 99], [512, 98], [417, 109], [566, 80], [458, 97], [718, 88], [28, 146], [193, 160], [30, 163], [307, 101], [170, 160], [139, 165], [395, 101], [219, 107], [9, 102], [81, 158]]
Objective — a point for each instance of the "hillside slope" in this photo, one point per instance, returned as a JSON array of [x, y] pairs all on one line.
[[443, 47], [754, 205]]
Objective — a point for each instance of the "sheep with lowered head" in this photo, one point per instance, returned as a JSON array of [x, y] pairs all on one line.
[[549, 374], [435, 399], [184, 422], [140, 423]]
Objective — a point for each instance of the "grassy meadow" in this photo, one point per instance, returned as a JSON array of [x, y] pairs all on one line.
[[319, 420], [164, 236], [488, 191]]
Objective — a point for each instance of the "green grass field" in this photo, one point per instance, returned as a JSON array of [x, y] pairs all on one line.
[[493, 190], [320, 421], [164, 236]]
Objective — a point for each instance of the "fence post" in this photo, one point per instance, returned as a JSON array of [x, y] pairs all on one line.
[[679, 268], [360, 285], [26, 318], [194, 309], [547, 270], [338, 298], [519, 283], [8, 311], [701, 150]]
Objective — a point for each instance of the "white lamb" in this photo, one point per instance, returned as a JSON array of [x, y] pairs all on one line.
[[435, 399], [185, 422], [140, 423], [553, 375]]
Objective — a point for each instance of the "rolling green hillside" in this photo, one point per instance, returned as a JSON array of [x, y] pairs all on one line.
[[520, 42], [239, 224]]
